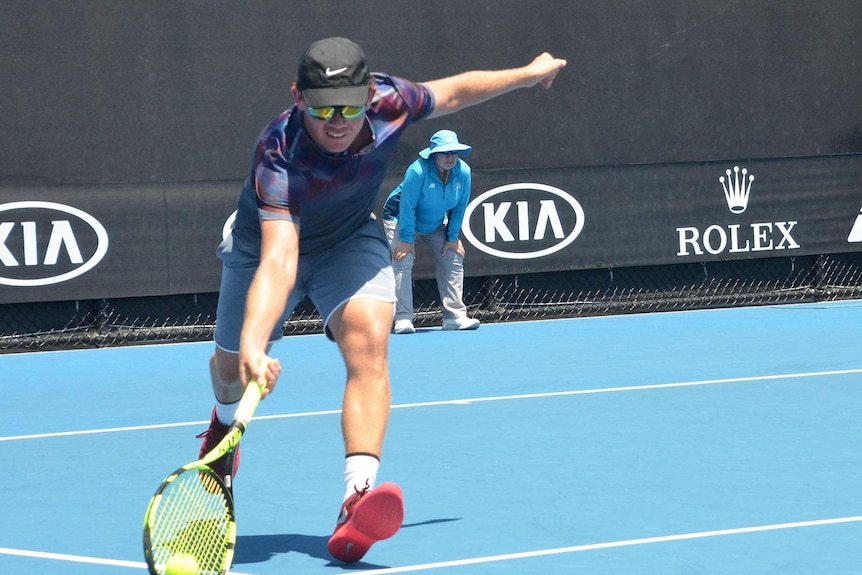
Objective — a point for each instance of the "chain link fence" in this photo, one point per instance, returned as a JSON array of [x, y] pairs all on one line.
[[184, 318]]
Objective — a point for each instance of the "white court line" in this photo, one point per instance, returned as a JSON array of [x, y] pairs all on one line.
[[632, 388], [72, 558], [613, 544], [490, 558], [457, 402], [79, 559]]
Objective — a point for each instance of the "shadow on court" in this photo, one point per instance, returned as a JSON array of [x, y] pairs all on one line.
[[261, 548]]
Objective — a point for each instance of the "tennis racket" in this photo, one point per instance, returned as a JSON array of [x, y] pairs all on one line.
[[191, 513]]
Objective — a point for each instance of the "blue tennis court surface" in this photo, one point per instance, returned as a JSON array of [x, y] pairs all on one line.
[[708, 442]]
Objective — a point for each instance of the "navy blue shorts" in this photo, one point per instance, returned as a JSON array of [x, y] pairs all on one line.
[[358, 266]]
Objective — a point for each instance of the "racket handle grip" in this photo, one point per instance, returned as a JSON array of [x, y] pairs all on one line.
[[248, 404]]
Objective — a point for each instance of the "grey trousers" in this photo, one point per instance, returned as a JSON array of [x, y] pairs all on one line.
[[450, 274]]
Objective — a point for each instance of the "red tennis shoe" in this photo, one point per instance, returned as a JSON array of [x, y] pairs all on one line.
[[217, 430], [366, 517]]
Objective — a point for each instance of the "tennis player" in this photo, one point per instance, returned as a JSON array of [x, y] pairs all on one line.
[[304, 227]]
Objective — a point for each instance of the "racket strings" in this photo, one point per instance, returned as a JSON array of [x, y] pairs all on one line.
[[193, 517]]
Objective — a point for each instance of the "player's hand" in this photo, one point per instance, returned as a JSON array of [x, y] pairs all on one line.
[[545, 68], [263, 368], [271, 373], [401, 250]]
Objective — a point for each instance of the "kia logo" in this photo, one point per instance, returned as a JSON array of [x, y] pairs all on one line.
[[43, 243], [523, 221]]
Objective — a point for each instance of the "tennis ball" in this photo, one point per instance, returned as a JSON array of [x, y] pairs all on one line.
[[181, 564]]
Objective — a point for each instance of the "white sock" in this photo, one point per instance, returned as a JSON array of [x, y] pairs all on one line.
[[360, 471], [225, 411]]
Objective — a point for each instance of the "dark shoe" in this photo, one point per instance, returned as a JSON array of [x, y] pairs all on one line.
[[211, 437]]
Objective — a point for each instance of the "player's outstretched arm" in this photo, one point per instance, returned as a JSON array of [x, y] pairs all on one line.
[[470, 88], [273, 282]]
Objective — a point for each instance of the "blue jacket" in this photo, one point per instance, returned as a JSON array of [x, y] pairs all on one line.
[[421, 202]]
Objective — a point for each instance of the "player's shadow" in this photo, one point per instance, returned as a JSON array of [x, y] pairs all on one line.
[[261, 548]]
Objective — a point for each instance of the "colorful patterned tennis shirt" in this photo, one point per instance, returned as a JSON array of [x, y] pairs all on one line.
[[330, 195]]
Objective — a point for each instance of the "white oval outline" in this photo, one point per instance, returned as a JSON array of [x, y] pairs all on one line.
[[579, 223], [101, 247]]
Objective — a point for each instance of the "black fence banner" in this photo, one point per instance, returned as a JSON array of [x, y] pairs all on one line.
[[621, 216], [76, 242]]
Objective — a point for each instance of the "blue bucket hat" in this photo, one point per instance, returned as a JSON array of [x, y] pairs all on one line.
[[445, 141]]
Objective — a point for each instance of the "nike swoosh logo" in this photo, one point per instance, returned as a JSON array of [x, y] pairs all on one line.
[[330, 73]]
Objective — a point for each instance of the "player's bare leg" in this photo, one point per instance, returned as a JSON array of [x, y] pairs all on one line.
[[224, 373], [361, 329], [227, 389]]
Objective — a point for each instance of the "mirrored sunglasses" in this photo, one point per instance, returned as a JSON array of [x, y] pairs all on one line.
[[349, 113]]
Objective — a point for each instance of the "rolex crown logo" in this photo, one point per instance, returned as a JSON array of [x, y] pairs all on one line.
[[736, 186]]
